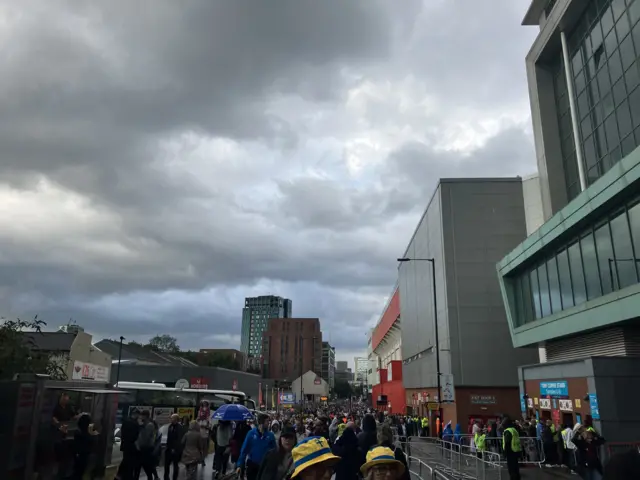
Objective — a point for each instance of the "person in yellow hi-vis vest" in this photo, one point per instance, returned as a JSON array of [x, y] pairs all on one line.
[[480, 441], [511, 447]]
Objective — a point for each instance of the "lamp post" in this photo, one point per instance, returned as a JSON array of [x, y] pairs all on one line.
[[432, 261], [119, 359], [301, 374]]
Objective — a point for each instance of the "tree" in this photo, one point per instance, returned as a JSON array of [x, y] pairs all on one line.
[[342, 389], [19, 352], [165, 344]]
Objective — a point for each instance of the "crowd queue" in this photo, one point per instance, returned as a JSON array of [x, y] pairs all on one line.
[[350, 443]]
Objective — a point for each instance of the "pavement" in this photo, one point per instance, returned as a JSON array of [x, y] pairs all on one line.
[[468, 467]]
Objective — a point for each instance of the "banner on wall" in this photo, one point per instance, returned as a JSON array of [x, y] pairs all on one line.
[[186, 414], [90, 371], [162, 415]]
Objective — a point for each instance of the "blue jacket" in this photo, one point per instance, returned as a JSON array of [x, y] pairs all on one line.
[[256, 446]]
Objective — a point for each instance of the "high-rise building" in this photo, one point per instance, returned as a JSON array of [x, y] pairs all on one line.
[[572, 288], [328, 364], [361, 365], [342, 365], [451, 304], [291, 347], [255, 319]]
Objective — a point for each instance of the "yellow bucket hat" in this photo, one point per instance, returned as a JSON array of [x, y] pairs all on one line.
[[380, 456], [311, 451]]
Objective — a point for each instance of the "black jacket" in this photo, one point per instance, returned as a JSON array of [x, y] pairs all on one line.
[[269, 466], [346, 447], [174, 437], [129, 434]]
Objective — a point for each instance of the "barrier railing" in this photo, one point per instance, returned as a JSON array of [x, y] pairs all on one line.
[[455, 461], [532, 452], [420, 469]]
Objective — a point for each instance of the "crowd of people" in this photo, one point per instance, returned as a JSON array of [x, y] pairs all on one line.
[[312, 445]]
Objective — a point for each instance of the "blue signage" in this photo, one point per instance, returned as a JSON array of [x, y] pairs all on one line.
[[287, 398], [558, 388], [523, 405], [593, 403]]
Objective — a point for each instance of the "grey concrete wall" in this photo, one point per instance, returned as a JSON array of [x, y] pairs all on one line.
[[483, 220], [532, 194], [469, 225], [616, 382], [416, 301]]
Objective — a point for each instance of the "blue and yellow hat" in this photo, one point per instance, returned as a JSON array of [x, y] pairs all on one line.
[[379, 456], [311, 451]]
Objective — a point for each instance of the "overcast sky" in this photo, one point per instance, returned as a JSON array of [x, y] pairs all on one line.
[[161, 160]]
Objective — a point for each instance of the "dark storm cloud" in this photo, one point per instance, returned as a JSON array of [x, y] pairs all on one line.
[[409, 177], [147, 133]]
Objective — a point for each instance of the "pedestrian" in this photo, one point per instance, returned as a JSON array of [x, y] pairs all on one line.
[[173, 450], [192, 453], [224, 433], [512, 448], [258, 442], [146, 443], [83, 442], [278, 463], [381, 464], [313, 459]]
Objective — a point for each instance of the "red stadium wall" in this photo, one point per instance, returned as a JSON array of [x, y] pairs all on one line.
[[389, 316], [393, 389]]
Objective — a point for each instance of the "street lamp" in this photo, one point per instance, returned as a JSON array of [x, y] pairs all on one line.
[[119, 359], [432, 261]]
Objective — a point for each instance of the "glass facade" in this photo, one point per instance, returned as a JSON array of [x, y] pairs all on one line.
[[604, 48], [603, 258]]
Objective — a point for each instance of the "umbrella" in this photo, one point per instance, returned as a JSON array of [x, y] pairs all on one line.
[[232, 412]]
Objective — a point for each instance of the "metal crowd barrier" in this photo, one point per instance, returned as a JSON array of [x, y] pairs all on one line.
[[532, 449], [423, 471]]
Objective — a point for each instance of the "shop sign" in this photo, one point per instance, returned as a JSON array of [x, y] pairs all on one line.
[[433, 406], [558, 388], [578, 403], [199, 383], [448, 392], [139, 409], [595, 409], [523, 405], [530, 402], [483, 399], [186, 413], [287, 398], [566, 405], [89, 371], [162, 415], [317, 381], [545, 403]]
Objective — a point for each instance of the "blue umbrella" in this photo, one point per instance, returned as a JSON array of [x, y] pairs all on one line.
[[232, 412]]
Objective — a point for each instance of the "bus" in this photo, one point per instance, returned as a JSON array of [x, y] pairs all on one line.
[[162, 401]]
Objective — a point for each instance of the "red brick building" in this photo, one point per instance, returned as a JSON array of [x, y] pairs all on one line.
[[291, 347]]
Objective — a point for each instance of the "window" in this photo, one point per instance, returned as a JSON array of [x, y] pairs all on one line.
[[590, 267], [605, 75], [545, 300], [605, 257], [634, 223], [527, 300], [623, 262], [564, 279], [554, 286]]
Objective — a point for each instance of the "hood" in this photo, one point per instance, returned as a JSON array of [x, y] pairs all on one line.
[[458, 430], [369, 423], [275, 422], [577, 427]]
